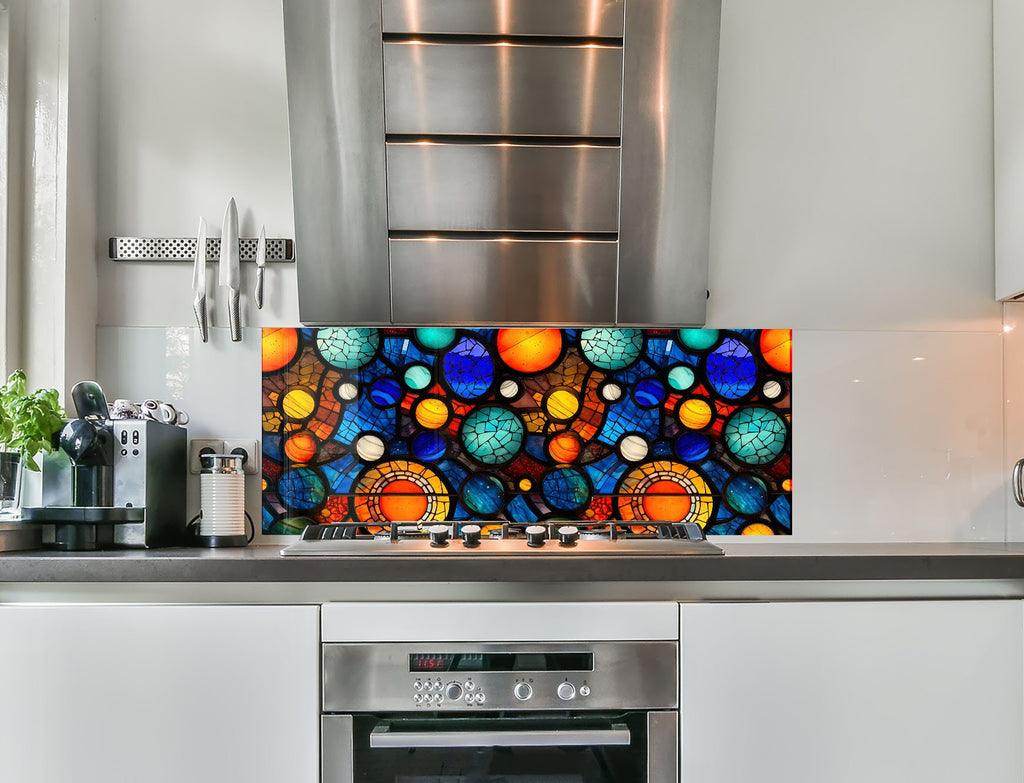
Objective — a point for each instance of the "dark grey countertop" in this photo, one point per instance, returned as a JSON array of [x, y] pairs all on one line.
[[756, 561]]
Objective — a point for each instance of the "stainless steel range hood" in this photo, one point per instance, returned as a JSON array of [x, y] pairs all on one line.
[[502, 161]]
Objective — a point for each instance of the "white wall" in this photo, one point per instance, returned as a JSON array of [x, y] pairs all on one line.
[[852, 202]]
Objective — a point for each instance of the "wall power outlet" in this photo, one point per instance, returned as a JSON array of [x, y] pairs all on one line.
[[249, 448]]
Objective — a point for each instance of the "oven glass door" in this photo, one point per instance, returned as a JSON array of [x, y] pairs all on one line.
[[605, 748]]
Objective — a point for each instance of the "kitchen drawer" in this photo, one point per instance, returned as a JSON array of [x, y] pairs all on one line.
[[502, 89], [602, 18], [503, 281], [502, 187]]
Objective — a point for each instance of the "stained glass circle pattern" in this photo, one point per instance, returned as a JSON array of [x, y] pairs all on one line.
[[367, 426]]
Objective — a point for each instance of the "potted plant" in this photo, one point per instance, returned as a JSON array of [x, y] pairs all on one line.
[[28, 423]]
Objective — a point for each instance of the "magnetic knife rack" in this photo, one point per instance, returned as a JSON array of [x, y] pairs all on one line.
[[279, 251]]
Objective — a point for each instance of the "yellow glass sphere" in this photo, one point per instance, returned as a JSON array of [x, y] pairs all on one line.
[[695, 414]]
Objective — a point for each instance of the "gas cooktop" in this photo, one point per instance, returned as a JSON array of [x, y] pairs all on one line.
[[482, 538]]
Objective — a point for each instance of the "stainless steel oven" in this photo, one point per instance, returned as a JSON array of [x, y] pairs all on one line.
[[518, 712]]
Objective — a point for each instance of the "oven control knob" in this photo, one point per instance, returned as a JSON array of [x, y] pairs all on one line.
[[566, 691], [584, 690], [453, 692], [438, 535], [471, 535], [522, 691], [568, 535], [535, 535]]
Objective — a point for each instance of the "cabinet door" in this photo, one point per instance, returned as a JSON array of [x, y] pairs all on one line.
[[162, 694], [852, 692]]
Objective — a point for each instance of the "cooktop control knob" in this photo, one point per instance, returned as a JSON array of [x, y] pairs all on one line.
[[522, 691], [568, 535], [535, 535], [438, 535], [471, 535], [566, 691], [453, 692]]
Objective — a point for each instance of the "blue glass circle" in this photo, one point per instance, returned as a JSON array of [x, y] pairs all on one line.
[[611, 349], [385, 392], [681, 377], [429, 446], [492, 435], [565, 489], [755, 436], [732, 369], [483, 494], [347, 349], [435, 339], [301, 489], [649, 393], [745, 494], [469, 369], [698, 339], [417, 376], [692, 447]]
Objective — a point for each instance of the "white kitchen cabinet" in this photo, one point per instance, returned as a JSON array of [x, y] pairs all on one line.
[[848, 692], [161, 694], [1008, 131]]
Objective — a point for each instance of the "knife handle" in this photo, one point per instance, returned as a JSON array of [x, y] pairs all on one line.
[[234, 317], [199, 306], [258, 293]]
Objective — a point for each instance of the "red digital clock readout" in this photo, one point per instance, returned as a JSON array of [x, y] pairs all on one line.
[[430, 662]]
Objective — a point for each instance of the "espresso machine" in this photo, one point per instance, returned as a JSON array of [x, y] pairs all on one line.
[[117, 482]]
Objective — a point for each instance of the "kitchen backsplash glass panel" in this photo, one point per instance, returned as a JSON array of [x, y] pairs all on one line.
[[374, 425]]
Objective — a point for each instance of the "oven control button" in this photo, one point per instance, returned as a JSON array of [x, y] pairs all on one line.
[[535, 535], [522, 691], [453, 691], [438, 535], [438, 698], [470, 685], [566, 691], [417, 686], [417, 699], [584, 690], [479, 698], [469, 698]]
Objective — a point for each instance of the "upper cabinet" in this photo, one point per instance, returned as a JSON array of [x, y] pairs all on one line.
[[1008, 108], [502, 162]]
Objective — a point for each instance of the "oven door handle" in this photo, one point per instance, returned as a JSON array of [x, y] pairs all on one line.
[[383, 737]]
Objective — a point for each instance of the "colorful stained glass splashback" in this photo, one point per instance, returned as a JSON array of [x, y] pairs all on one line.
[[371, 425]]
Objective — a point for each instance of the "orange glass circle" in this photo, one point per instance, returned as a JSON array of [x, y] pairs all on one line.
[[564, 447], [562, 404], [787, 485], [525, 485], [529, 350], [300, 447], [777, 348], [757, 529], [432, 413], [695, 414], [279, 347], [403, 501], [298, 404], [666, 501]]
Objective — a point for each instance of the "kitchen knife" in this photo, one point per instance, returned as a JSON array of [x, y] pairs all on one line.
[[199, 281], [229, 274], [261, 262]]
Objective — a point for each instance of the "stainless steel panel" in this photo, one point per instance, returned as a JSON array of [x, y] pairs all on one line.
[[336, 749], [617, 734], [663, 747], [336, 127], [494, 281], [595, 18], [502, 89], [502, 187], [376, 677], [670, 68]]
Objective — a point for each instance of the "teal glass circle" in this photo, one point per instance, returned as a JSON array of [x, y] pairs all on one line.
[[755, 436], [681, 377], [435, 339], [611, 349], [483, 494], [698, 339], [745, 494], [565, 489], [347, 349], [492, 435], [417, 376]]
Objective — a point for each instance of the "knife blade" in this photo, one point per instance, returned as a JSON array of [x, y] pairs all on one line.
[[261, 262], [199, 281], [229, 273]]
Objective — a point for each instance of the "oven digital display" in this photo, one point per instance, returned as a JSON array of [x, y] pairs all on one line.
[[502, 662]]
